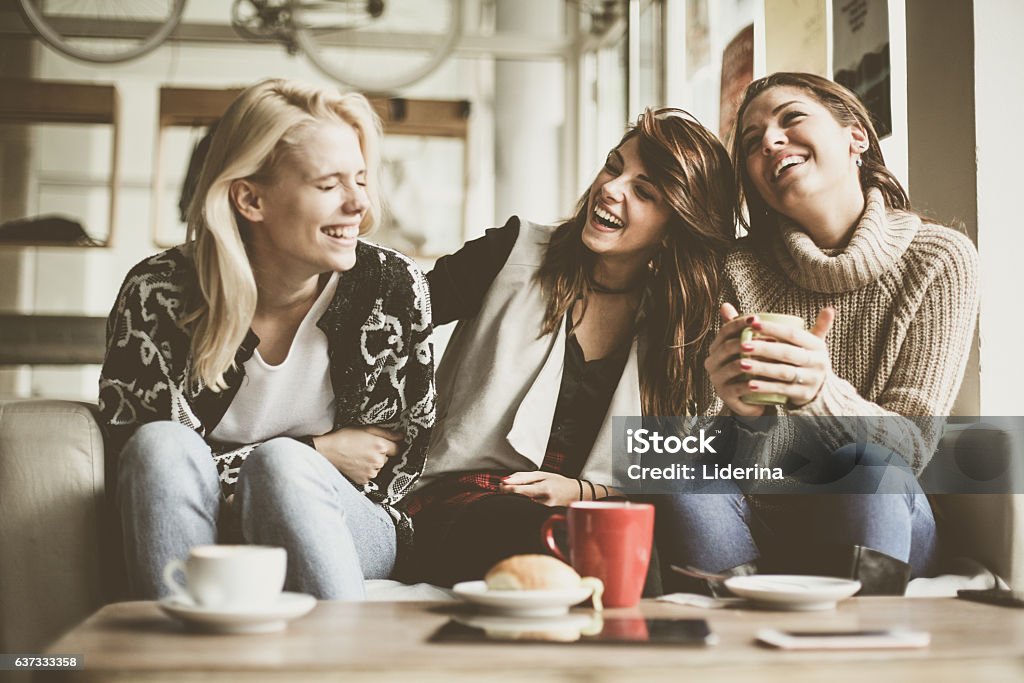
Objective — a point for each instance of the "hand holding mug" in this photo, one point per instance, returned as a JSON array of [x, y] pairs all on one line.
[[785, 364], [723, 363], [765, 359]]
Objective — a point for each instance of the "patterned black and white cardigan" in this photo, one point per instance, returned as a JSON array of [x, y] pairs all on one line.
[[377, 325]]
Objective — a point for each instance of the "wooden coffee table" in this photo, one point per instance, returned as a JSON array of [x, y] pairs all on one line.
[[135, 641]]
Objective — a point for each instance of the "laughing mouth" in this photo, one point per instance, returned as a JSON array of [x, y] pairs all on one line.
[[786, 163], [340, 232], [608, 220]]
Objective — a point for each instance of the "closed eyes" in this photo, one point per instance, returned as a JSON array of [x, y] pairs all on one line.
[[361, 182]]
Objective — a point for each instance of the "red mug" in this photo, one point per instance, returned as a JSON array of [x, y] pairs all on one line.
[[610, 541]]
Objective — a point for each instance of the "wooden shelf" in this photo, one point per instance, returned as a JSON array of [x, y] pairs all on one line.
[[52, 339], [41, 102], [400, 116], [57, 102]]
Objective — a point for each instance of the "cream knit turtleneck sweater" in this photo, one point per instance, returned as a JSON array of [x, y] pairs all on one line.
[[906, 300]]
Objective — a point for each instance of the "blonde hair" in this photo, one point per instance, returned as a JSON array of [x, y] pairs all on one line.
[[259, 127], [691, 168]]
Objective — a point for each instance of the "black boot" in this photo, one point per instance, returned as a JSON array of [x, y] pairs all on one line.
[[878, 573]]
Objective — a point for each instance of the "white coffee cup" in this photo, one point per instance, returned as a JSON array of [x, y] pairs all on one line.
[[229, 577]]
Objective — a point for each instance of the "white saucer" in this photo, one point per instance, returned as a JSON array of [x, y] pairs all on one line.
[[504, 623], [265, 620], [564, 628], [793, 592], [550, 603]]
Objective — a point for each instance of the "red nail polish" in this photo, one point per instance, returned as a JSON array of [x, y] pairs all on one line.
[[747, 347], [752, 385], [745, 364], [756, 326], [750, 320]]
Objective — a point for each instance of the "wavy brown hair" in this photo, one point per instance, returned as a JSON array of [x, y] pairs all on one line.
[[691, 168], [761, 220]]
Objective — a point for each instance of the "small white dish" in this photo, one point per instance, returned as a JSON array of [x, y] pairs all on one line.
[[793, 592], [264, 620], [548, 603], [500, 623]]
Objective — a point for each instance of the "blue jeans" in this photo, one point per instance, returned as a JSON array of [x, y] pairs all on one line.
[[720, 528], [287, 495]]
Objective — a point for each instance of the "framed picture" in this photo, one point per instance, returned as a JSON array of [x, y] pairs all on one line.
[[860, 58]]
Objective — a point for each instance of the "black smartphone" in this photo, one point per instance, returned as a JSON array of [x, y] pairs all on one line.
[[992, 596], [586, 629]]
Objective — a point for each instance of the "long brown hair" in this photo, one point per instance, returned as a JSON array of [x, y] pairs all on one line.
[[761, 220], [691, 168]]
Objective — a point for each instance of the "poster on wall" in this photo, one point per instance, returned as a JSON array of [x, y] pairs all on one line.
[[795, 36], [698, 36], [860, 58], [737, 73]]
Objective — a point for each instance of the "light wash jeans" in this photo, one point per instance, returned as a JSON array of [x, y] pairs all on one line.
[[719, 529], [287, 495]]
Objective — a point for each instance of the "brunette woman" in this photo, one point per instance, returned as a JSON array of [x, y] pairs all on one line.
[[563, 327], [890, 300]]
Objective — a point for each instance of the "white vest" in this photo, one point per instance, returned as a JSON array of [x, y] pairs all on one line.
[[498, 383]]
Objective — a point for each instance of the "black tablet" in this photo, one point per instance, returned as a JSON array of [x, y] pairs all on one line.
[[575, 628]]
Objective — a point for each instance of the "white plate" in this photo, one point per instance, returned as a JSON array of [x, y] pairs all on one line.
[[793, 592], [551, 603], [501, 623], [266, 620]]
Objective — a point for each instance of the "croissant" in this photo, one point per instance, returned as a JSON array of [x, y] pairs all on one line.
[[539, 572]]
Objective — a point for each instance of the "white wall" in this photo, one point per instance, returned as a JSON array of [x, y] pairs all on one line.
[[999, 98], [529, 119]]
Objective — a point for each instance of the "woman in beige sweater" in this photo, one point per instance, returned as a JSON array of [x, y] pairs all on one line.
[[890, 301]]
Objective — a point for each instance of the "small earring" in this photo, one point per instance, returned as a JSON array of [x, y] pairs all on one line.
[[859, 162]]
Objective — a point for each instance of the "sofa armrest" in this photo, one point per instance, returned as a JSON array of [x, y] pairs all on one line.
[[51, 516], [977, 482]]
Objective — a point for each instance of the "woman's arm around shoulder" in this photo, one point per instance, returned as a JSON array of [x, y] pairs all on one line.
[[459, 281]]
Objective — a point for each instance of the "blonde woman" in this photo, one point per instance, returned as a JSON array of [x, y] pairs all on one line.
[[273, 375]]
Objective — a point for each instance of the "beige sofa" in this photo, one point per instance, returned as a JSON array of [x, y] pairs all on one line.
[[58, 562]]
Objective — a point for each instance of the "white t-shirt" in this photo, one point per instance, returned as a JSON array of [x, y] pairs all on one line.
[[293, 398]]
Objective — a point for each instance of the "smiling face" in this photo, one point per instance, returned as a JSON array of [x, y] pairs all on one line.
[[627, 216], [306, 217], [798, 158]]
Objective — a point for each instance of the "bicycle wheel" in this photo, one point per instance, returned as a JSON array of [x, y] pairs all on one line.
[[103, 31], [344, 38]]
